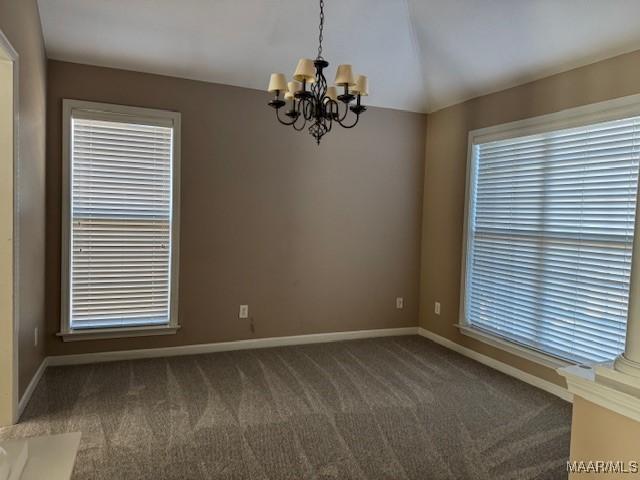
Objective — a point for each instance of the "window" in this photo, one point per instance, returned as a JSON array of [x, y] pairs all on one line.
[[549, 232], [120, 223]]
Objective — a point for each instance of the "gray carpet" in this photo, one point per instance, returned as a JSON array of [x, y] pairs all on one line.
[[387, 408]]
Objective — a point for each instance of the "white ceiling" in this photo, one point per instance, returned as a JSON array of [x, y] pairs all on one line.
[[420, 55]]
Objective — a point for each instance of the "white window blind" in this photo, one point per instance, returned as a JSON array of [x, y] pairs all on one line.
[[120, 221], [550, 238]]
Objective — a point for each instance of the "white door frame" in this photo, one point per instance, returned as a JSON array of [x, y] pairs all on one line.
[[9, 268]]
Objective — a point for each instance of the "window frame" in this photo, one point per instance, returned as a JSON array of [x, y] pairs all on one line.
[[604, 111], [134, 114]]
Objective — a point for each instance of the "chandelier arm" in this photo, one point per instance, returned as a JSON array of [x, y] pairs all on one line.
[[326, 117], [329, 123], [284, 122], [333, 108], [309, 113], [352, 125], [342, 118], [302, 108], [301, 127]]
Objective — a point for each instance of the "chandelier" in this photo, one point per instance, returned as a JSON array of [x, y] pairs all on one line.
[[312, 101]]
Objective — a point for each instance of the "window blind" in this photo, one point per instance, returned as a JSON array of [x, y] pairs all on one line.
[[121, 184], [551, 232]]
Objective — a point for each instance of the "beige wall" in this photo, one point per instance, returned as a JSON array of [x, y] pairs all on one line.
[[314, 239], [445, 174], [600, 434], [20, 22], [8, 392]]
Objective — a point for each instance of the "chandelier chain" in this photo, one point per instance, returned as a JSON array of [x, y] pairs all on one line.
[[321, 28]]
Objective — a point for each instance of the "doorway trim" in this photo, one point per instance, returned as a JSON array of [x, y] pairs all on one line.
[[9, 369]]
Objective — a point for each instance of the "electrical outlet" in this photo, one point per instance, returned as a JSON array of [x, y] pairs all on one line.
[[436, 308], [244, 311], [35, 337], [399, 303]]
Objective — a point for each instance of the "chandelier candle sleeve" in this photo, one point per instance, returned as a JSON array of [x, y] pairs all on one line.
[[318, 104]]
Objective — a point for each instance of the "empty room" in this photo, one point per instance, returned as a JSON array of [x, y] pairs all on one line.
[[319, 239]]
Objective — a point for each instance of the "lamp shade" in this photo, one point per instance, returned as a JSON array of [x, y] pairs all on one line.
[[305, 71], [362, 85], [294, 87], [278, 82], [332, 93], [288, 95], [344, 75]]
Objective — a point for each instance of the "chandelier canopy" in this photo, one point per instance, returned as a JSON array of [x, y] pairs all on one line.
[[312, 100]]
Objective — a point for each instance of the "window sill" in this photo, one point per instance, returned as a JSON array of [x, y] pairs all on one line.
[[605, 386], [513, 348], [104, 333]]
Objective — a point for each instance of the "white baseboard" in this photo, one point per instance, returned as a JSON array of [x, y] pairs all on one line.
[[550, 387], [83, 358], [79, 359], [26, 396]]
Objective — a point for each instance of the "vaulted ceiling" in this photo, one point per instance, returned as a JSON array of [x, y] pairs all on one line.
[[420, 55]]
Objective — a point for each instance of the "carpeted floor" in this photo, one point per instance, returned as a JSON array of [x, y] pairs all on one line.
[[386, 408]]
